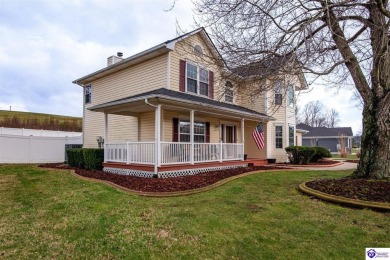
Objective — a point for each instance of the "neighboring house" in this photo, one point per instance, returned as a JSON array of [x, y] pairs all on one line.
[[171, 110], [330, 138]]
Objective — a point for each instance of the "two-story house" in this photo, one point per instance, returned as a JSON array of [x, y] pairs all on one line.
[[171, 111]]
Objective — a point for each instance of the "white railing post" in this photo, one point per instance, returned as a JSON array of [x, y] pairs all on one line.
[[105, 136], [127, 152], [242, 137], [157, 129], [192, 151], [220, 151]]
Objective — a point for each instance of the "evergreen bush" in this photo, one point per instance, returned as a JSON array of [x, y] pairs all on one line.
[[321, 152], [93, 158], [75, 157]]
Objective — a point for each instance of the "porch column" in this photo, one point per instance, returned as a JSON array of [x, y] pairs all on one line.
[[192, 136], [243, 137], [105, 136], [157, 132]]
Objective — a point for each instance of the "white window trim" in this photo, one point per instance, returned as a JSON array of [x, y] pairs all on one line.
[[293, 126], [90, 94], [282, 125], [198, 67], [277, 93], [233, 99], [288, 95], [195, 121]]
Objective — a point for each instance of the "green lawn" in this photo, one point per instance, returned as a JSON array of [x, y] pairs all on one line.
[[51, 214]]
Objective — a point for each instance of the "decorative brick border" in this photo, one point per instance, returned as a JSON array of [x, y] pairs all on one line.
[[344, 201]]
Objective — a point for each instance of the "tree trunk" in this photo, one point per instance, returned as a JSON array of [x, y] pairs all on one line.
[[374, 160]]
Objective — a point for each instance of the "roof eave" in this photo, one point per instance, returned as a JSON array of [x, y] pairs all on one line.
[[130, 61], [100, 108]]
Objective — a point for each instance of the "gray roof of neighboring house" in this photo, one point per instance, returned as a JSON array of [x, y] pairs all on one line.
[[167, 93], [324, 131]]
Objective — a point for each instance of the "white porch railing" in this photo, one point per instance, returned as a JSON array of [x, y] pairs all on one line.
[[130, 152], [172, 152]]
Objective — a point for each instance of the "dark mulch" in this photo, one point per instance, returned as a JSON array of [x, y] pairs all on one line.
[[323, 162], [319, 163], [362, 189], [164, 184], [352, 161]]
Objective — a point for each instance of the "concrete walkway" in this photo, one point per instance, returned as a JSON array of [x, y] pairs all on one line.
[[344, 166]]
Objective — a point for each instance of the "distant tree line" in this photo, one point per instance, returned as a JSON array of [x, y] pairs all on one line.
[[50, 123], [316, 114]]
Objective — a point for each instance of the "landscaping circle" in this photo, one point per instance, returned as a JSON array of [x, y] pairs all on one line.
[[349, 191]]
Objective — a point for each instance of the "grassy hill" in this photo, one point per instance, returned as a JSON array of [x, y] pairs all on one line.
[[19, 119]]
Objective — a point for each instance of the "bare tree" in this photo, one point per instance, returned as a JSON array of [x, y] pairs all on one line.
[[345, 41], [316, 114], [332, 118]]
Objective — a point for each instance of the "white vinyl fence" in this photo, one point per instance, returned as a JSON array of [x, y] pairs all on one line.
[[34, 149], [36, 132]]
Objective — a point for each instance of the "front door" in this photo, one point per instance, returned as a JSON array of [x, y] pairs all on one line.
[[229, 138]]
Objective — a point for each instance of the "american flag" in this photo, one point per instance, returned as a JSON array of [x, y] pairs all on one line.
[[258, 135]]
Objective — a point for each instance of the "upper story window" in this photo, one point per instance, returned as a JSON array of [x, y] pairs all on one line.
[[197, 80], [290, 95], [229, 92], [278, 88], [87, 94]]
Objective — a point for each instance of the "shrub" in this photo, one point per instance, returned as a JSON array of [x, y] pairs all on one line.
[[321, 152], [75, 157], [300, 154], [93, 158]]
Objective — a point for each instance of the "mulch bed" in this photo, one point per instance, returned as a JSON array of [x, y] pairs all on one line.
[[362, 189], [352, 161], [163, 184], [319, 163]]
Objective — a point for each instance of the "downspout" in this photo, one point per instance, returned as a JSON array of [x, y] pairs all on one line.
[[149, 104], [157, 139]]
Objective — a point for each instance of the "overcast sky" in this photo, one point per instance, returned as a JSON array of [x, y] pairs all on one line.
[[45, 45]]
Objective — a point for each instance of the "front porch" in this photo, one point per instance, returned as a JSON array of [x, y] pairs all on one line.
[[176, 170], [179, 137]]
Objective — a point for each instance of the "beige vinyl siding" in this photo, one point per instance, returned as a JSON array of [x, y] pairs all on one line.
[[147, 126], [284, 116], [137, 79], [250, 146], [249, 96], [184, 51], [120, 128], [215, 124], [298, 139]]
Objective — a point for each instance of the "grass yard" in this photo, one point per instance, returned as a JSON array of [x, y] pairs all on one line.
[[50, 214], [349, 157]]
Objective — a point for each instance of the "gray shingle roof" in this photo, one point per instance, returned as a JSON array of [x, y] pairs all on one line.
[[324, 131], [167, 93]]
